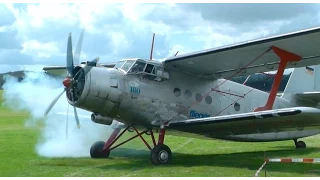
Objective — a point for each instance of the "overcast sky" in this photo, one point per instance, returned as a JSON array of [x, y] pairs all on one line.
[[35, 35]]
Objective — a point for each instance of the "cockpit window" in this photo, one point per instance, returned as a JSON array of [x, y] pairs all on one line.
[[119, 64], [127, 65], [150, 69], [137, 67]]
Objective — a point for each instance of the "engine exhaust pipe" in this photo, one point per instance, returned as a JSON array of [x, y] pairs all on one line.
[[97, 118]]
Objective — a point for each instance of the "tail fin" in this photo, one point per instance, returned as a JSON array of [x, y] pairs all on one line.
[[301, 83]]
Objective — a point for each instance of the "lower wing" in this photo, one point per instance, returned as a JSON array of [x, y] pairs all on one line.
[[255, 124]]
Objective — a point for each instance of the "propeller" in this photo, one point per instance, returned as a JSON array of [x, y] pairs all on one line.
[[67, 122], [70, 82]]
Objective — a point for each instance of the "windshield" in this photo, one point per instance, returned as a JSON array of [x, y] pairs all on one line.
[[119, 64], [137, 67], [127, 65]]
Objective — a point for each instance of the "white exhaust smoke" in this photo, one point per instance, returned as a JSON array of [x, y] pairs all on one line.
[[34, 94]]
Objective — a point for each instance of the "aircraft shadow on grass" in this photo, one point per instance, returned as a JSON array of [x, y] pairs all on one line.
[[136, 160], [246, 160]]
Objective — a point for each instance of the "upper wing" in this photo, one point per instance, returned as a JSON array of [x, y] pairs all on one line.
[[61, 70], [224, 62], [254, 122]]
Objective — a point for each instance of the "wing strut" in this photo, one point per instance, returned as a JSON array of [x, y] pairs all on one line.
[[285, 57]]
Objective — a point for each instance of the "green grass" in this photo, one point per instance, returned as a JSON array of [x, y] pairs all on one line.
[[191, 157]]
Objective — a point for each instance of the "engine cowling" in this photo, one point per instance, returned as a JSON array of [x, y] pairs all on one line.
[[98, 91]]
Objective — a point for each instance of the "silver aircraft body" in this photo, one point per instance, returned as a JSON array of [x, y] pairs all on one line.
[[192, 95]]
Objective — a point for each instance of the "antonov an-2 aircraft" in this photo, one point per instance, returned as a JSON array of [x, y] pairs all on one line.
[[192, 95]]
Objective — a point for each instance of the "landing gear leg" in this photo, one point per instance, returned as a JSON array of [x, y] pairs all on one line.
[[161, 153], [300, 144]]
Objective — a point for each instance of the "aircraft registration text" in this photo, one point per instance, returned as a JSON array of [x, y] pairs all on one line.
[[195, 114]]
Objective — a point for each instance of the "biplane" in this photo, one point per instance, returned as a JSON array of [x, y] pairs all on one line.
[[192, 95]]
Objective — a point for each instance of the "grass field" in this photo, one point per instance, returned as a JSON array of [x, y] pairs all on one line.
[[191, 157]]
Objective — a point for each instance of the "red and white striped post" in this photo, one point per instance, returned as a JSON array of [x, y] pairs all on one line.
[[286, 160]]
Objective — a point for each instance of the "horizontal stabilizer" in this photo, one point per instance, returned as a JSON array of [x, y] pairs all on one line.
[[309, 96]]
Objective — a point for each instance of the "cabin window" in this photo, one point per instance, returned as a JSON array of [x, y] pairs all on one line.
[[198, 97], [236, 106], [208, 99], [177, 92], [188, 94]]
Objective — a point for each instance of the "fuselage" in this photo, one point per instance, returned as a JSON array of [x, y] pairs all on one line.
[[144, 100]]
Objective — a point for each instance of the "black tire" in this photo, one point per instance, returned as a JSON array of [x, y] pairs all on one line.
[[301, 145], [130, 129], [96, 150], [161, 154]]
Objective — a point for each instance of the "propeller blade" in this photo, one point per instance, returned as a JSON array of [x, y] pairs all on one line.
[[88, 67], [69, 56], [67, 122], [53, 103], [75, 112], [77, 53], [96, 60]]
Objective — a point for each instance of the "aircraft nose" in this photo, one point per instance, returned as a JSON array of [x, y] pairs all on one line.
[[101, 93]]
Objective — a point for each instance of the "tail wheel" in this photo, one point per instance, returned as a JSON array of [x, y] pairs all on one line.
[[96, 150], [301, 145], [161, 154]]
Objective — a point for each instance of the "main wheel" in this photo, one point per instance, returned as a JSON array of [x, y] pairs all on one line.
[[130, 129], [161, 154], [301, 145], [96, 150]]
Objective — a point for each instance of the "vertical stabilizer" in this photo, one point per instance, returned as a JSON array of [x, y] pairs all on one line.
[[304, 79]]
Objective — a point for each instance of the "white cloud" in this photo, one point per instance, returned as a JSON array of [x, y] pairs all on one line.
[[33, 47], [117, 31], [4, 28], [38, 14], [119, 41], [180, 49]]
